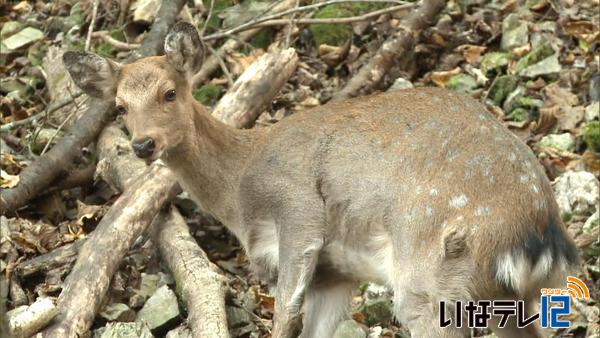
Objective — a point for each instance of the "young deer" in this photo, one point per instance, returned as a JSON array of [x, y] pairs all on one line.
[[419, 189]]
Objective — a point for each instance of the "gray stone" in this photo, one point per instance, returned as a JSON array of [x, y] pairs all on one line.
[[577, 193], [160, 309], [349, 329], [118, 312], [547, 66], [564, 142], [125, 330], [21, 39], [592, 111], [180, 332], [514, 32], [401, 83], [9, 28], [462, 83]]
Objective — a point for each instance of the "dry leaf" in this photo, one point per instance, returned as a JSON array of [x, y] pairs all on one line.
[[239, 62], [585, 30], [7, 180], [559, 102], [441, 78], [471, 53]]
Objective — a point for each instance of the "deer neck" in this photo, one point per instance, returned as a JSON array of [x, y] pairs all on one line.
[[209, 163]]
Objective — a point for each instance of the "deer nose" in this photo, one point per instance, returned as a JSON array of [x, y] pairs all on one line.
[[143, 147]]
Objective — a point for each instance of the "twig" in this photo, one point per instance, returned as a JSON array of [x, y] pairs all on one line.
[[392, 50], [53, 107], [335, 21], [88, 39], [223, 66], [208, 17], [252, 23], [120, 45]]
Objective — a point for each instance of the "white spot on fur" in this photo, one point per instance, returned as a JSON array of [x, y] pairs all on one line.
[[512, 157], [482, 211], [418, 189], [428, 211], [535, 189], [458, 202], [524, 178], [433, 192]]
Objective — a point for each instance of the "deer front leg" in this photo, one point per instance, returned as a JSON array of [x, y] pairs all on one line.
[[298, 259]]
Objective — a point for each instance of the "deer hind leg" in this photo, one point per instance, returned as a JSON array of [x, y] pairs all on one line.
[[326, 305], [296, 270]]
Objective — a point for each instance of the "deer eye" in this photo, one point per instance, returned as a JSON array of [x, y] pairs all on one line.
[[120, 110], [170, 95]]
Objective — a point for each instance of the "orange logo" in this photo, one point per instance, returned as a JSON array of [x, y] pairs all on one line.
[[576, 288]]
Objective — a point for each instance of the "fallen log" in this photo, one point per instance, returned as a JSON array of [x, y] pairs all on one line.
[[101, 254], [202, 286], [48, 167], [393, 50], [258, 79], [103, 251], [26, 321], [58, 257]]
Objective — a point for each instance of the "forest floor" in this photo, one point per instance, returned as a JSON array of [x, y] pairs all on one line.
[[533, 63]]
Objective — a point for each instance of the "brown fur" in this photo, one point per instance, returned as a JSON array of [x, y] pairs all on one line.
[[421, 189]]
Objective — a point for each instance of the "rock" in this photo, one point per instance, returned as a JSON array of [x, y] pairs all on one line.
[[502, 87], [126, 330], [592, 112], [180, 332], [148, 286], [160, 309], [9, 28], [462, 83], [494, 61], [564, 142], [375, 332], [547, 66], [514, 32], [536, 55], [401, 83], [118, 312], [576, 193], [349, 329], [377, 312], [21, 39], [240, 322], [243, 12]]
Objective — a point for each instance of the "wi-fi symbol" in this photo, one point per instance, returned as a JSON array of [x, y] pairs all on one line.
[[576, 288]]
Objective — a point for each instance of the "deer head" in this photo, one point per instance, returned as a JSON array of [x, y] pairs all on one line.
[[153, 94]]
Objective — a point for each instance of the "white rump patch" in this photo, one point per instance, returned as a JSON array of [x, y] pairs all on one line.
[[513, 270]]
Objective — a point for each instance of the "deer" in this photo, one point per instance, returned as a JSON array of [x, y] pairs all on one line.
[[422, 190]]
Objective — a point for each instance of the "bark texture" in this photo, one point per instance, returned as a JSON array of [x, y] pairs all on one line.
[[101, 255], [394, 49], [58, 257], [263, 78], [202, 287]]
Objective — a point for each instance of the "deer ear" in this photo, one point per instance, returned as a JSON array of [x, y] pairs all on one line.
[[94, 74], [184, 49]]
